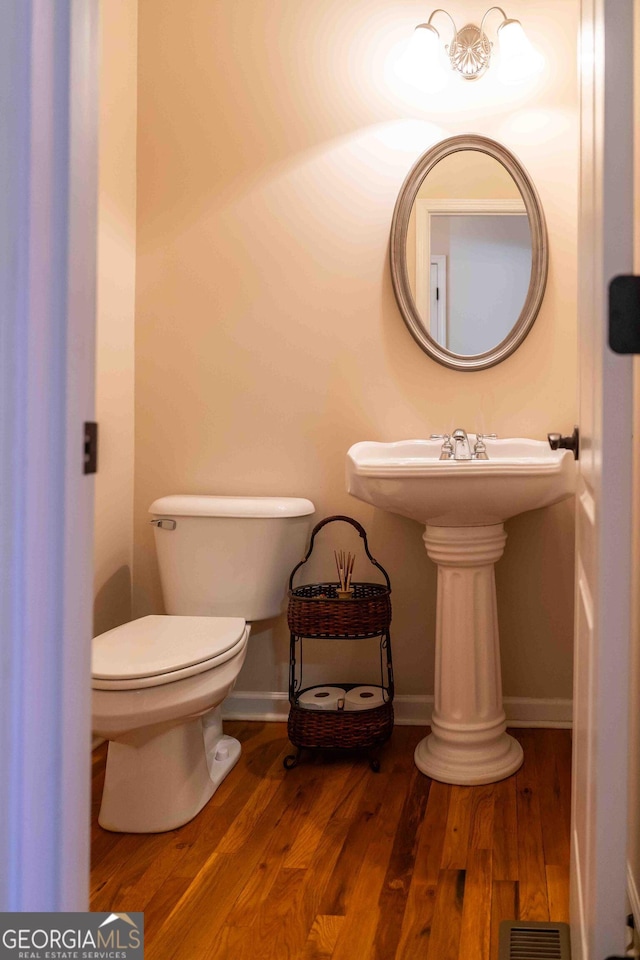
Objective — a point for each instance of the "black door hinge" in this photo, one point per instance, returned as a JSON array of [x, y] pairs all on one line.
[[90, 447], [630, 923], [624, 314]]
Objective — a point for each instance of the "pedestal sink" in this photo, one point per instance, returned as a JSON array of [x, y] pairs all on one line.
[[463, 504]]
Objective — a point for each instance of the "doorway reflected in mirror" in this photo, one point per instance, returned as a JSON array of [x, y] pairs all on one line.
[[468, 252]]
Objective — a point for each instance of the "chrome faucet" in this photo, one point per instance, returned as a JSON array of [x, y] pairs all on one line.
[[456, 445], [461, 449]]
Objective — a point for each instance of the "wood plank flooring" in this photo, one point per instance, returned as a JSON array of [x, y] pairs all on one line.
[[330, 861]]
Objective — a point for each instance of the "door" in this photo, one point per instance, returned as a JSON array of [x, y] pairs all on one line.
[[603, 503], [48, 73], [438, 299]]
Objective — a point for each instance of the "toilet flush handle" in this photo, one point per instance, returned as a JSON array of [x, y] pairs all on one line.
[[164, 524]]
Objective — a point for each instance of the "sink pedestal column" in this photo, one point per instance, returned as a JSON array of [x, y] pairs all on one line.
[[468, 743]]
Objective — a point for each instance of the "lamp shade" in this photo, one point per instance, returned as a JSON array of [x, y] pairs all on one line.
[[519, 60], [422, 63]]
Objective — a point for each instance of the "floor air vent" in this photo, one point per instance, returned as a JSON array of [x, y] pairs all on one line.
[[534, 941]]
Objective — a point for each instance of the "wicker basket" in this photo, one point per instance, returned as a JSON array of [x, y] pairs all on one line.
[[340, 729], [316, 611]]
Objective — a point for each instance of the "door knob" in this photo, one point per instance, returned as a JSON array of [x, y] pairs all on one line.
[[557, 441]]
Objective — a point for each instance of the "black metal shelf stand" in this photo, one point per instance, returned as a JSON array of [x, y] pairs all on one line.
[[316, 613]]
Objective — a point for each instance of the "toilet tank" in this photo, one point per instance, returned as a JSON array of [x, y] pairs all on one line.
[[228, 556]]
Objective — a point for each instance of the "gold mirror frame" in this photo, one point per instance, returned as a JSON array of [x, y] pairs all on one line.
[[539, 253]]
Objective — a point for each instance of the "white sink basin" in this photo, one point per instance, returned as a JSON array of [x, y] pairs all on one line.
[[463, 504], [408, 478]]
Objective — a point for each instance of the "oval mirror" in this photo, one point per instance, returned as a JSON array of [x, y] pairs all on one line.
[[468, 252]]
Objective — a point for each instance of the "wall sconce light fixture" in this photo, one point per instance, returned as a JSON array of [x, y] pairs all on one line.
[[469, 52]]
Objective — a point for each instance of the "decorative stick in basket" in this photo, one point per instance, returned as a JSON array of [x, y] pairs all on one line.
[[344, 565]]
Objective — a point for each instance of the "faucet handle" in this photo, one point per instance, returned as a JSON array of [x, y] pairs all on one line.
[[447, 447], [479, 450]]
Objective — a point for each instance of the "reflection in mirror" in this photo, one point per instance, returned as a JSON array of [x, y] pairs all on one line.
[[468, 252]]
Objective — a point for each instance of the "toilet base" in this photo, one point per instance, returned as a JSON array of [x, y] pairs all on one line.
[[157, 782]]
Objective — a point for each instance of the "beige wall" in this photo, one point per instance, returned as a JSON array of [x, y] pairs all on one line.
[[273, 138], [469, 175], [115, 323]]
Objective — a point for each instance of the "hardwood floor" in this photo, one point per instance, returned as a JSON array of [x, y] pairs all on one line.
[[330, 860]]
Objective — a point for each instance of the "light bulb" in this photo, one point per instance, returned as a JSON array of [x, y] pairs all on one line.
[[519, 60], [421, 64]]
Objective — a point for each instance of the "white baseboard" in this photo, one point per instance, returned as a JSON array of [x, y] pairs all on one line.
[[409, 709], [256, 705], [539, 712]]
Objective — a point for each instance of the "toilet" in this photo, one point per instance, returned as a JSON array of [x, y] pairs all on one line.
[[159, 681]]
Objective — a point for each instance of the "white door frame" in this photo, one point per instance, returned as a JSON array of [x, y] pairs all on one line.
[[427, 207], [603, 504], [48, 108], [438, 315]]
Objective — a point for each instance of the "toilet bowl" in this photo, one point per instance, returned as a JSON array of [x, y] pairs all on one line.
[[159, 681]]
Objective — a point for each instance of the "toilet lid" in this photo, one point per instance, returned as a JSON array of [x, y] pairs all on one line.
[[154, 645]]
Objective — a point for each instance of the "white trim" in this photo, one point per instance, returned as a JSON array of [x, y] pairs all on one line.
[[578, 926], [256, 705], [409, 709], [439, 330], [598, 879], [426, 207], [538, 712], [74, 694]]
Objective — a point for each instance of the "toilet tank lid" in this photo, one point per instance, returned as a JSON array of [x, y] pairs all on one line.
[[188, 505]]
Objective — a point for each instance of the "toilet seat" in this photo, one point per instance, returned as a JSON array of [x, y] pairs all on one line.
[[156, 650]]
